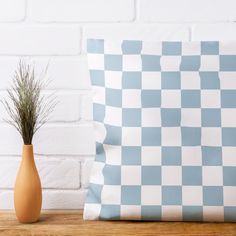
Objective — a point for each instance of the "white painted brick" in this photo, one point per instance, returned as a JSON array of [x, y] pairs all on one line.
[[8, 171], [7, 199], [85, 172], [59, 174], [54, 173], [64, 199], [187, 10], [81, 10], [149, 32], [3, 113], [39, 40], [10, 141], [52, 199], [86, 107], [63, 72], [67, 109], [211, 32], [66, 72], [7, 69], [12, 10], [61, 139]]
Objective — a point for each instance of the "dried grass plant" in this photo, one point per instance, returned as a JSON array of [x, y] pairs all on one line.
[[27, 108]]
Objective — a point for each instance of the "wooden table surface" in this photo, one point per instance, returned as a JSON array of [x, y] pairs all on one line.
[[53, 223]]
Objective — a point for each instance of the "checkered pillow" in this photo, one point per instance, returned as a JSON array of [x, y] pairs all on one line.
[[165, 120]]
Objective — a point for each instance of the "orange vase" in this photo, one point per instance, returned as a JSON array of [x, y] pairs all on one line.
[[28, 191]]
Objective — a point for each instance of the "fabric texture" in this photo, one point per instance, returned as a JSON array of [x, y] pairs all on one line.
[[165, 121]]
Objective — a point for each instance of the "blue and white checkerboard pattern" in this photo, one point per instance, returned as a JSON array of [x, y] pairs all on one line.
[[165, 120]]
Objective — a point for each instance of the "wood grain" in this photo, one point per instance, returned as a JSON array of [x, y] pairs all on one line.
[[57, 223]]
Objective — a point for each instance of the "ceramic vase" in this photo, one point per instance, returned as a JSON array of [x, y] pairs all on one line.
[[28, 191]]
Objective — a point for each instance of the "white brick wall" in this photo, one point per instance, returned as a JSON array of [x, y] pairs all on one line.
[[187, 10], [81, 10], [24, 39], [12, 10], [55, 32]]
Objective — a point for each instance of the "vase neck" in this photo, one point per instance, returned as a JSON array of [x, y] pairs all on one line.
[[28, 152]]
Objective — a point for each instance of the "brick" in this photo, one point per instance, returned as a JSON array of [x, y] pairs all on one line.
[[54, 173], [3, 113], [81, 10], [52, 139], [64, 199], [187, 10], [39, 40], [63, 72], [7, 199], [66, 72], [52, 199], [153, 32], [67, 109], [85, 172], [86, 107], [63, 140], [213, 32], [12, 10], [7, 69]]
